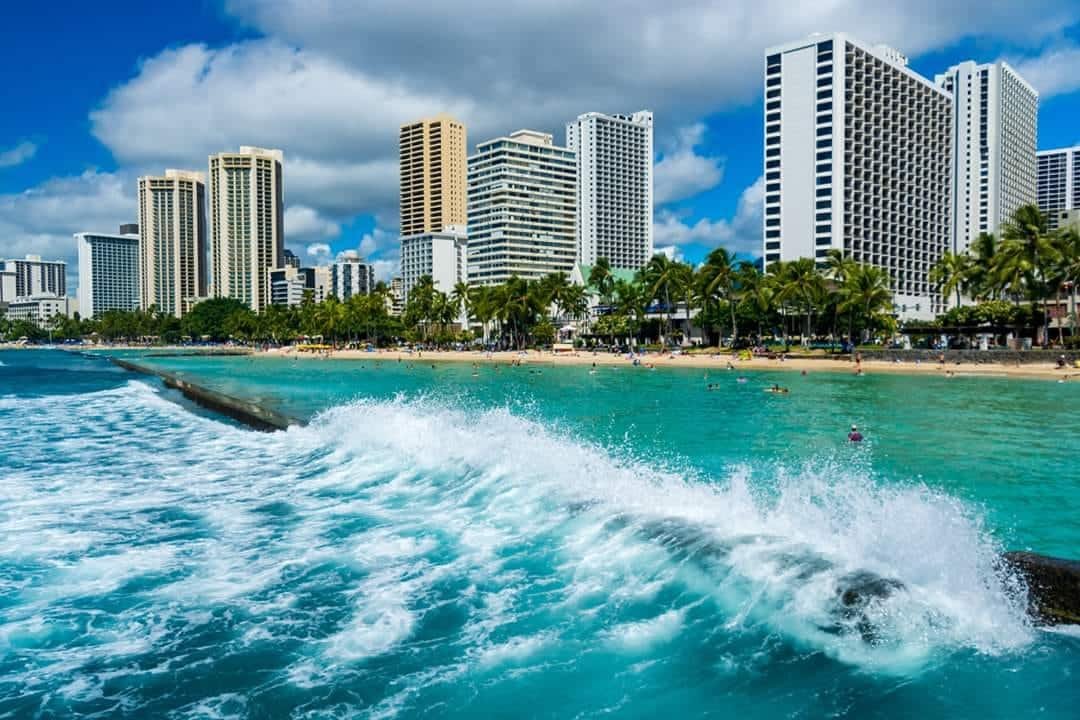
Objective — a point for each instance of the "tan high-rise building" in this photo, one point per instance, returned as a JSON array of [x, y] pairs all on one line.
[[172, 241], [433, 169], [247, 211]]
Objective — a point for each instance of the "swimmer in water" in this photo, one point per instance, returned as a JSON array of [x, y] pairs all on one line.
[[741, 380], [777, 389], [855, 435]]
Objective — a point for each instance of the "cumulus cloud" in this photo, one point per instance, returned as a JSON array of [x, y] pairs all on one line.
[[304, 222], [740, 234], [319, 251], [680, 172], [41, 220], [18, 154], [1052, 72]]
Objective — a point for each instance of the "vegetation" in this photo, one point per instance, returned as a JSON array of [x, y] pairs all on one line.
[[1027, 263]]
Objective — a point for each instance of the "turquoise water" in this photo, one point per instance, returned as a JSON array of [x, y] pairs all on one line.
[[528, 544]]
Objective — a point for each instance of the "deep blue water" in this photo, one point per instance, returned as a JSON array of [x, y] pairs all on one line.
[[527, 544]]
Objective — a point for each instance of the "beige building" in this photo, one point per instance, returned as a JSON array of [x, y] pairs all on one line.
[[172, 241], [247, 208], [433, 175]]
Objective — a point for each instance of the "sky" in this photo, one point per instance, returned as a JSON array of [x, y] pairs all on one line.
[[96, 94]]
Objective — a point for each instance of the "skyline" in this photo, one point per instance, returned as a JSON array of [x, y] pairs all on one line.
[[68, 164]]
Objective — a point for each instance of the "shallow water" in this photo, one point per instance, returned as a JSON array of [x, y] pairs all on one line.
[[528, 544]]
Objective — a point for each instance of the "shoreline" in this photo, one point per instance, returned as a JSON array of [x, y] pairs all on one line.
[[1046, 371]]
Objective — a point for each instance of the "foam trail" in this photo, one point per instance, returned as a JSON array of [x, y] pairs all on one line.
[[449, 541]]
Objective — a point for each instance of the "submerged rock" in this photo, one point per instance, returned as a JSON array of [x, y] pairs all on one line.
[[1053, 586]]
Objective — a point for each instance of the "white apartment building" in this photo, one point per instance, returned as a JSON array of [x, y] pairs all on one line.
[[614, 187], [43, 310], [995, 130], [108, 273], [288, 285], [1058, 183], [172, 251], [33, 276], [350, 275], [522, 208], [857, 158], [247, 209], [442, 256]]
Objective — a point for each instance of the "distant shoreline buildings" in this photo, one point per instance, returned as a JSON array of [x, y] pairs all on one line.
[[861, 155]]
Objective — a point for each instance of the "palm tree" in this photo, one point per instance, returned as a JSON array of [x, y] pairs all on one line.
[[1069, 271], [660, 276], [1026, 235], [602, 280], [719, 273], [755, 293], [980, 277], [867, 293], [460, 296], [950, 273]]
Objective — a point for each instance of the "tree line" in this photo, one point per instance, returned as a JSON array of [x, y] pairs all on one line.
[[1027, 263]]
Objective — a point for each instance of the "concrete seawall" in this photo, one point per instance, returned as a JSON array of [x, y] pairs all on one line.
[[246, 412]]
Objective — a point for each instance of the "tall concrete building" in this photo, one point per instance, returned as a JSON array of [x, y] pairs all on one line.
[[247, 210], [32, 276], [288, 284], [1058, 183], [522, 208], [995, 130], [172, 248], [432, 163], [108, 272], [442, 256], [614, 187], [857, 159], [350, 275]]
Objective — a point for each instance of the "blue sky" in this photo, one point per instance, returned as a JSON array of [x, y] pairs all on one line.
[[96, 94]]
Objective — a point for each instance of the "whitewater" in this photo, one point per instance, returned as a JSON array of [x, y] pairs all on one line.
[[408, 556]]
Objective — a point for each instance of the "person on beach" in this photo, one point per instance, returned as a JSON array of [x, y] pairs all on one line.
[[855, 435]]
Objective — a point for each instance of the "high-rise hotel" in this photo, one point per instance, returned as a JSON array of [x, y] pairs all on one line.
[[172, 245], [995, 114], [857, 158], [432, 166], [433, 202], [108, 271], [522, 197], [614, 187], [1058, 184], [247, 208]]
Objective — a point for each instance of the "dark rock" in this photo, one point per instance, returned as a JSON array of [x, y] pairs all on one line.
[[1053, 586]]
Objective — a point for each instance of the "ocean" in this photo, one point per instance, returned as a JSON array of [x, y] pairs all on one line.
[[528, 542]]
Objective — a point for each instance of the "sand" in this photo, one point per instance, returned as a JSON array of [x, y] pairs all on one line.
[[718, 362]]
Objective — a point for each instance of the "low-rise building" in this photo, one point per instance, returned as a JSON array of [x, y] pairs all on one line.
[[442, 256], [42, 310], [350, 275]]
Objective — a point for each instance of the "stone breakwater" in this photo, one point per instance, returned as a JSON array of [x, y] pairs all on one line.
[[249, 413], [976, 357]]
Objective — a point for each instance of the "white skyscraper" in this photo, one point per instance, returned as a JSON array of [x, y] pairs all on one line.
[[614, 187], [350, 275], [247, 210], [33, 276], [172, 229], [522, 199], [1058, 185], [108, 273], [442, 256], [995, 112], [857, 158]]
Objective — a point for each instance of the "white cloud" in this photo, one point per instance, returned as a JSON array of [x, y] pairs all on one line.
[[681, 173], [18, 154], [319, 251], [385, 270], [1052, 72], [303, 222], [41, 220], [672, 252], [741, 233]]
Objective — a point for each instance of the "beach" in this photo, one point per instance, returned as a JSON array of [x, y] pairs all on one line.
[[840, 364]]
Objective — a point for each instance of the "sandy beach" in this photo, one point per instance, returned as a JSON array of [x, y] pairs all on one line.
[[720, 362]]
